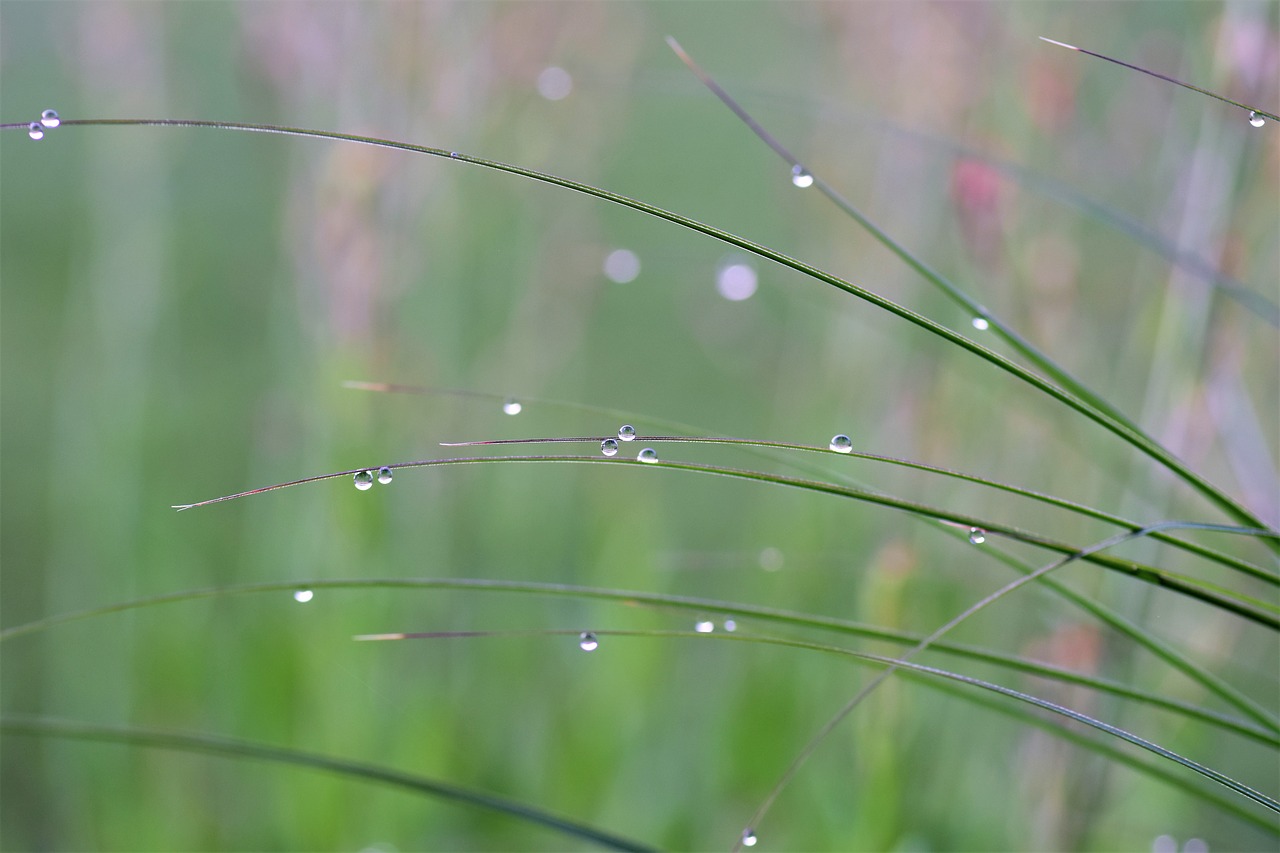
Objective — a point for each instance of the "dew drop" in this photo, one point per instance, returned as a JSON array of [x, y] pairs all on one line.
[[749, 838], [364, 480], [730, 625], [841, 443], [1256, 120], [648, 455], [35, 130], [587, 642], [302, 596], [800, 177], [977, 536], [554, 83], [622, 266], [609, 447], [512, 407], [705, 627], [981, 324], [627, 432], [50, 118], [453, 153], [384, 475]]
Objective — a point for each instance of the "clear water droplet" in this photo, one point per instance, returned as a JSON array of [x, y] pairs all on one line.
[[50, 118], [587, 641], [384, 475], [609, 447], [1256, 120], [841, 443], [627, 432], [800, 177], [730, 625], [364, 480], [981, 324], [512, 407], [453, 153], [302, 596], [749, 838], [622, 266], [704, 627], [648, 455], [736, 281], [977, 536], [35, 130]]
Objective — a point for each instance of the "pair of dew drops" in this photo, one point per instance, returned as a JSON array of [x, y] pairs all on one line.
[[364, 479], [48, 119]]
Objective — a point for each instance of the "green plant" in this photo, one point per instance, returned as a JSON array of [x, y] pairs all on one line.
[[767, 706]]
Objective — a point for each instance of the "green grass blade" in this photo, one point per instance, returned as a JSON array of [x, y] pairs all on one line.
[[1136, 438], [1143, 572], [233, 747], [683, 603]]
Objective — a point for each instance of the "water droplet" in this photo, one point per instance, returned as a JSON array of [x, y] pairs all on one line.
[[384, 475], [736, 282], [35, 130], [1256, 120], [977, 536], [587, 641], [554, 83], [364, 480], [512, 407], [622, 266], [302, 596], [49, 118], [749, 838], [609, 447], [705, 627], [800, 177], [981, 324], [453, 153], [627, 432], [730, 625], [841, 443], [648, 455]]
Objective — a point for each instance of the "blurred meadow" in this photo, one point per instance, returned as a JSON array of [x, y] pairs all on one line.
[[182, 307]]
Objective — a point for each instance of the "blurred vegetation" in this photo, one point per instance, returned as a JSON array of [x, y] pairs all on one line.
[[181, 308]]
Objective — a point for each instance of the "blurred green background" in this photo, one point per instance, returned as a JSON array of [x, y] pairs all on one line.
[[181, 308]]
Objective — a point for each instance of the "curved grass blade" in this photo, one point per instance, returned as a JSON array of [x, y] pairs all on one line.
[[219, 745], [1099, 415], [1254, 111], [1002, 330], [811, 746], [1247, 568], [664, 601], [1147, 573]]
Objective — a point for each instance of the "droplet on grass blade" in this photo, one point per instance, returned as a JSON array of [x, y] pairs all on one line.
[[1256, 120], [704, 627], [981, 324], [50, 118], [800, 177], [35, 130], [587, 642], [977, 536], [647, 455], [749, 838], [302, 596], [627, 432], [384, 475], [609, 447], [512, 407], [841, 443], [363, 480], [730, 625]]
